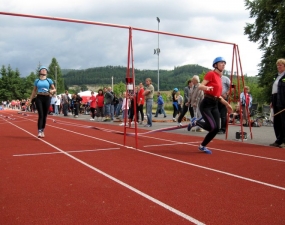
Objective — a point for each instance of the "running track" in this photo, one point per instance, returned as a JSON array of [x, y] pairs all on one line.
[[81, 175]]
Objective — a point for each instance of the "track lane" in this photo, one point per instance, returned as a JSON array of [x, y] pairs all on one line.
[[129, 153]]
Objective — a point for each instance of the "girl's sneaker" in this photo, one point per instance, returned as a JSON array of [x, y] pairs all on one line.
[[204, 149]]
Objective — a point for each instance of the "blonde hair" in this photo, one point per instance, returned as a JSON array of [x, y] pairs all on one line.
[[196, 77], [281, 61], [148, 79]]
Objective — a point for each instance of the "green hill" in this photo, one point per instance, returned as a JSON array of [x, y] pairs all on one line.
[[103, 76]]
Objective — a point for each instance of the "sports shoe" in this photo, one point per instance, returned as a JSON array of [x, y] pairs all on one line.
[[204, 149], [180, 125], [147, 125], [39, 134], [92, 119], [274, 144], [122, 124], [192, 123], [165, 116], [43, 134], [174, 120], [221, 132], [282, 145], [76, 116]]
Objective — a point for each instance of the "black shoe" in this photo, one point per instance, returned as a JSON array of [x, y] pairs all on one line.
[[221, 132], [274, 144], [165, 116], [155, 116]]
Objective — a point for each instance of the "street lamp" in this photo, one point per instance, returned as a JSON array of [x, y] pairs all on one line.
[[157, 51], [112, 84]]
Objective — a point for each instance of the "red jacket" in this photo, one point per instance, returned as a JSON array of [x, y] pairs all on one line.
[[100, 100], [140, 96], [93, 101]]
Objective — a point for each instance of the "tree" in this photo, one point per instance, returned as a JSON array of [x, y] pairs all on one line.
[[268, 31], [54, 72]]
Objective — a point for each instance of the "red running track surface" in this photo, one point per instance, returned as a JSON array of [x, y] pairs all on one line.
[[81, 173]]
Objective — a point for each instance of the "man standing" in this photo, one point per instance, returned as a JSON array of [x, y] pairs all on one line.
[[186, 106], [222, 108], [65, 103], [148, 93], [108, 98], [112, 108]]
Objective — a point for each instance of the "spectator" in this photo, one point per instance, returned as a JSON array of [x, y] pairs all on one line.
[[160, 105], [186, 105], [278, 104], [174, 103], [140, 102], [108, 98], [76, 104], [100, 104], [197, 96], [125, 108], [246, 102], [222, 108], [148, 93], [92, 101]]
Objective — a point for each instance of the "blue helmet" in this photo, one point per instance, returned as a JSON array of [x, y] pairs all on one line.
[[43, 67], [219, 59], [175, 89]]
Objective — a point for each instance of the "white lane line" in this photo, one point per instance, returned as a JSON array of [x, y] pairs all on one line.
[[75, 151], [221, 150], [150, 198], [175, 143], [180, 161]]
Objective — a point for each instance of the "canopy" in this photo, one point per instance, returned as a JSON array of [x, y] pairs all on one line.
[[85, 95]]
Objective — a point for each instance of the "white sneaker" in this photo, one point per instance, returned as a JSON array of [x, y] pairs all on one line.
[[39, 134], [43, 134], [92, 119], [174, 120], [180, 125], [76, 116], [122, 124]]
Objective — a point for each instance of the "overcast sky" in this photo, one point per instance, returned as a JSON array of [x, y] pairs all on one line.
[[26, 42]]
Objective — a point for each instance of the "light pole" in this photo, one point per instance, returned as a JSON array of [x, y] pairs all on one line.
[[157, 51], [112, 84], [56, 79]]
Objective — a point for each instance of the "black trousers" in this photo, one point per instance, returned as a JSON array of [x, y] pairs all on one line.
[[185, 109], [140, 110], [278, 122], [223, 116], [210, 113], [42, 104], [93, 112]]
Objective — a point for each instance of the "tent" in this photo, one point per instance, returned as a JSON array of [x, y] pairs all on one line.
[[85, 95]]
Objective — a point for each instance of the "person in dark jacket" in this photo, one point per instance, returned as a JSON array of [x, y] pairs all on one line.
[[278, 105], [76, 104]]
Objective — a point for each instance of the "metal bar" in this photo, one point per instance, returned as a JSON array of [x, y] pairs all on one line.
[[111, 25]]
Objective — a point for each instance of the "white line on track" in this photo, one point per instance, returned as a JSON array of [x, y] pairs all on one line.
[[217, 149], [75, 151], [150, 198], [175, 143]]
